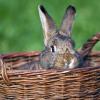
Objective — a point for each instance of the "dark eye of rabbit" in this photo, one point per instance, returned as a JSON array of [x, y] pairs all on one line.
[[53, 48]]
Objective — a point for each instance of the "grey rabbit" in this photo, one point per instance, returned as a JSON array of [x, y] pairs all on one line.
[[59, 47]]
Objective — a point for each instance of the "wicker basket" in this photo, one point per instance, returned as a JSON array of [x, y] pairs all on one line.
[[75, 84]]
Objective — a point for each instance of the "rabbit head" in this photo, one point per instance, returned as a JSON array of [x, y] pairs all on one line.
[[59, 46]]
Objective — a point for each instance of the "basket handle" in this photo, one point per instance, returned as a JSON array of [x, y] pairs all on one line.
[[4, 71]]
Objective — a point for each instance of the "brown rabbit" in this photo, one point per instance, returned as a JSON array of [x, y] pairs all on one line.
[[59, 46]]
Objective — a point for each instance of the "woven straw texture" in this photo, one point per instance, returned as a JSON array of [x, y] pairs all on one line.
[[27, 84]]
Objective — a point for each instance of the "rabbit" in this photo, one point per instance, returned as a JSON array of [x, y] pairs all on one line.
[[59, 46], [59, 49]]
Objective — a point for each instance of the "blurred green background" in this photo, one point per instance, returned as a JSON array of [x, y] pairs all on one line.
[[20, 27]]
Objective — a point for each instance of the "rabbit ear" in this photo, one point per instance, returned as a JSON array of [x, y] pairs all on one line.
[[48, 24], [68, 18]]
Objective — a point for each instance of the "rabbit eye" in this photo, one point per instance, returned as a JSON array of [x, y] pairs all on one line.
[[53, 48]]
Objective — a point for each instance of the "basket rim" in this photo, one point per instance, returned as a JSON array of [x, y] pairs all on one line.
[[40, 73]]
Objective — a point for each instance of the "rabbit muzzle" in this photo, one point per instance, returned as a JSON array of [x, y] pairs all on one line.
[[66, 60]]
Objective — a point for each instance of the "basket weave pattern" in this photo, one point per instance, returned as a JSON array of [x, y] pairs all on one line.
[[75, 84]]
